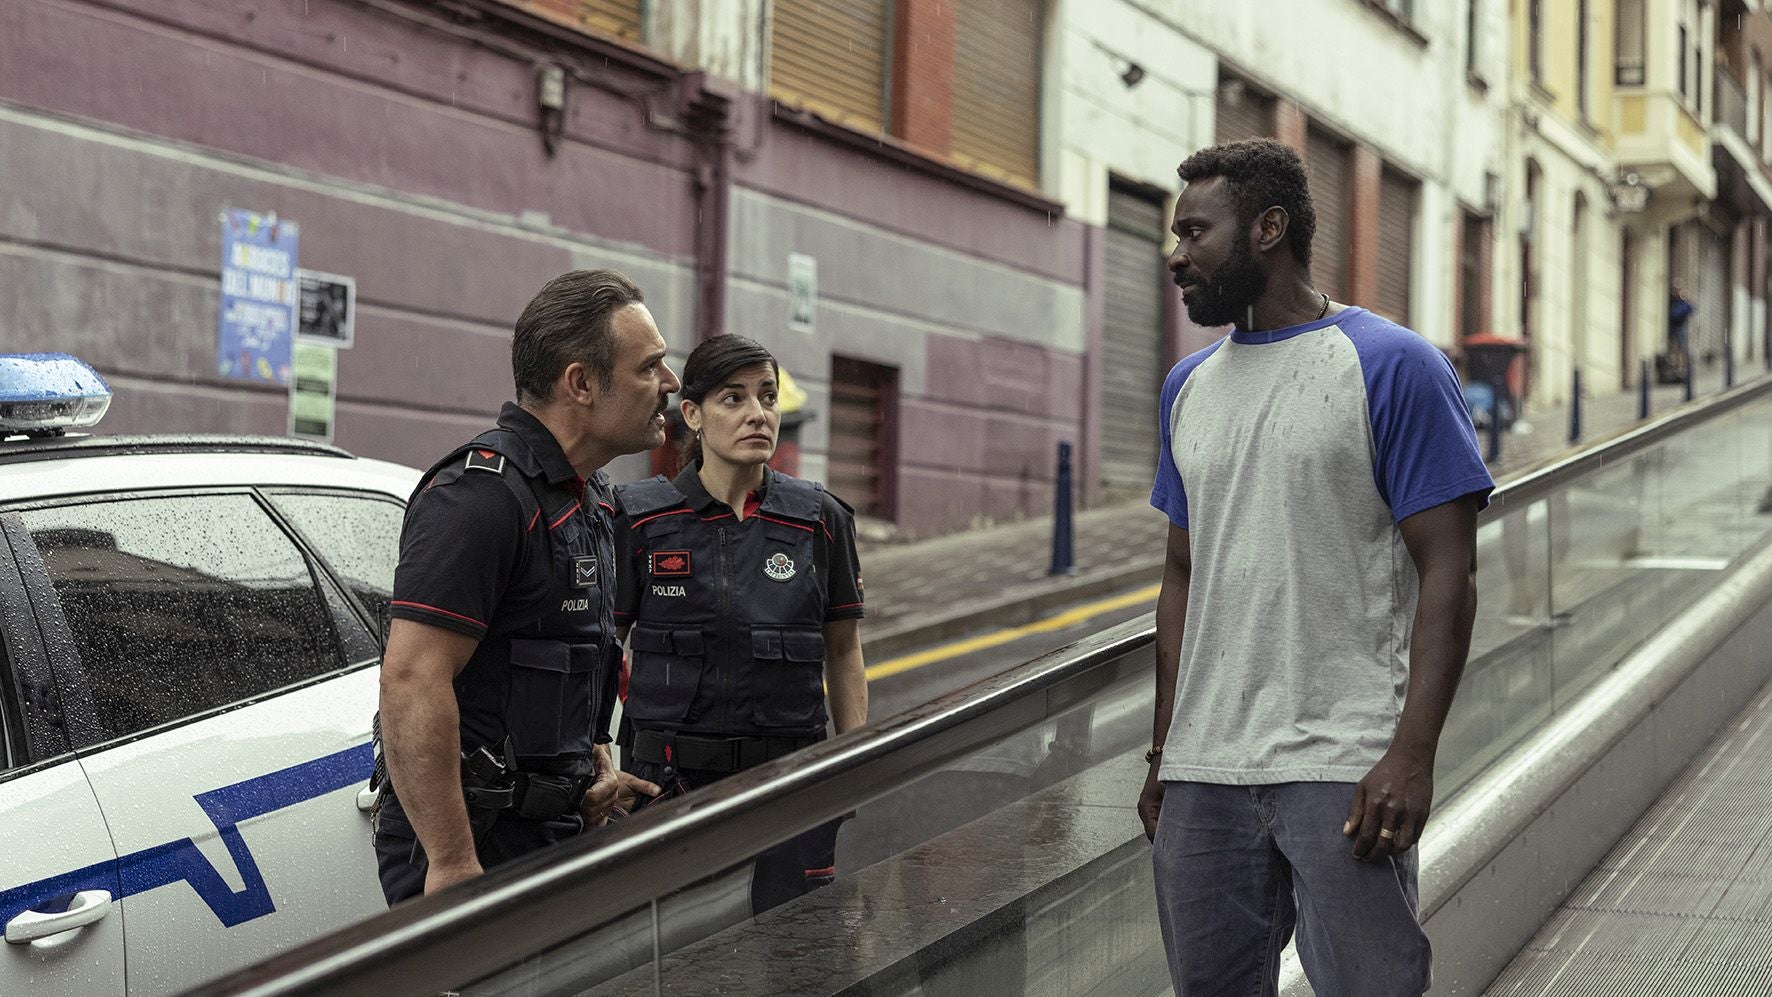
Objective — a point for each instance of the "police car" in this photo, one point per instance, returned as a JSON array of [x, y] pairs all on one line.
[[189, 635]]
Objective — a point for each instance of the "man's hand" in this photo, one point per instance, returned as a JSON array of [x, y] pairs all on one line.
[[613, 788], [438, 877], [1390, 806], [1150, 802]]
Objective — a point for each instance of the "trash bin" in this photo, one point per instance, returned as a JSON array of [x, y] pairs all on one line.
[[790, 398], [1493, 360]]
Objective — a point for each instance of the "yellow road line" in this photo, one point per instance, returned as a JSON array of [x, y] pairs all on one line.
[[1068, 618]]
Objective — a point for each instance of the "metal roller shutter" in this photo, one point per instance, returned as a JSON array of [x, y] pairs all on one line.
[[1243, 111], [1329, 166], [997, 88], [1132, 342], [621, 18], [863, 397], [829, 56], [1396, 244]]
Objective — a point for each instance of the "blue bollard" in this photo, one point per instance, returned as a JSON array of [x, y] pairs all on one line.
[[1064, 560], [1728, 365], [1643, 392], [1575, 409], [1687, 355]]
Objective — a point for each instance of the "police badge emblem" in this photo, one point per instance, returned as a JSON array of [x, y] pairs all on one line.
[[779, 567]]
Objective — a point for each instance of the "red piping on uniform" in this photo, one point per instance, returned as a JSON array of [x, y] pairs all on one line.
[[847, 605], [723, 515], [606, 505], [434, 609], [564, 516], [532, 520], [830, 870], [784, 522], [827, 531], [660, 515]]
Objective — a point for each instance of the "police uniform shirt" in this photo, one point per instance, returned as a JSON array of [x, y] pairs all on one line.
[[471, 560], [833, 550]]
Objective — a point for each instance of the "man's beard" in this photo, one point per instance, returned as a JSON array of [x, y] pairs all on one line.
[[1227, 297]]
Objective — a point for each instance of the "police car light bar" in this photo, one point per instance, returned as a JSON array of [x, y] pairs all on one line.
[[46, 394]]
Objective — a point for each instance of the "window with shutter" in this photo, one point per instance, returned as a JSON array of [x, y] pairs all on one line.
[[864, 398], [997, 88], [621, 18], [1396, 245], [1243, 111], [829, 56], [1328, 164]]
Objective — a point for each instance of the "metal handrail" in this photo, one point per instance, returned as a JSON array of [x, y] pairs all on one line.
[[487, 924]]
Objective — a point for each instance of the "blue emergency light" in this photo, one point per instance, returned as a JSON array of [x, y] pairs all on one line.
[[46, 394]]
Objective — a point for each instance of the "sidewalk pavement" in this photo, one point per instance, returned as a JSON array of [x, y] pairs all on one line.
[[928, 591]]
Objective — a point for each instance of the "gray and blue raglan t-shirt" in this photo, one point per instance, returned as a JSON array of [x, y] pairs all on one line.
[[1290, 456]]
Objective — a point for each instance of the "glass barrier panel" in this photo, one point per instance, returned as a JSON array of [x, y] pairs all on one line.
[[1021, 868], [1506, 689]]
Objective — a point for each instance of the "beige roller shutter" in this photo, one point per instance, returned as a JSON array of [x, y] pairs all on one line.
[[997, 88], [829, 56], [1329, 165], [621, 18], [1396, 244], [1132, 342], [1243, 111]]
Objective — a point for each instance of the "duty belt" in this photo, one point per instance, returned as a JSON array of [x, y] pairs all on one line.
[[689, 752]]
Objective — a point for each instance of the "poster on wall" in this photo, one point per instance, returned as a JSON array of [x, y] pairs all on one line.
[[313, 391], [328, 308], [258, 296], [802, 291]]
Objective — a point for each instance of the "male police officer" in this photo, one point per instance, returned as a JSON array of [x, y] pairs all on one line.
[[500, 667]]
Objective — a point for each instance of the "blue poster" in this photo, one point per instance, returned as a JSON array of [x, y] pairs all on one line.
[[260, 295]]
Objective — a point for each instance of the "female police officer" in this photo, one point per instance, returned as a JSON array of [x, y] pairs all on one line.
[[740, 596]]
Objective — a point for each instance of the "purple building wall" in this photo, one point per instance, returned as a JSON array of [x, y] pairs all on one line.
[[404, 141]]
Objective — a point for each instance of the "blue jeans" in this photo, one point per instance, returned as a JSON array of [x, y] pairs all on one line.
[[1238, 867]]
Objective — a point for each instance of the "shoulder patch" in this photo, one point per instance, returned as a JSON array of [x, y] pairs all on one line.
[[485, 460]]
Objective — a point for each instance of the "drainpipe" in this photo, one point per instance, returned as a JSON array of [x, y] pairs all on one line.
[[705, 109]]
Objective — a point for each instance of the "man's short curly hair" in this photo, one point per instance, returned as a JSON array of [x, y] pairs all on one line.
[[1261, 173]]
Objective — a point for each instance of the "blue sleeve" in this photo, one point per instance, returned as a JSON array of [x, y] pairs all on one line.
[[1426, 451], [1169, 494]]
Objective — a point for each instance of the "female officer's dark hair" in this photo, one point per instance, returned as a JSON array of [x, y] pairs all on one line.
[[568, 320], [712, 364], [1261, 173]]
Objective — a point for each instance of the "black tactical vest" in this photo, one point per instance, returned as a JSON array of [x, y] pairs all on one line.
[[547, 679], [729, 635]]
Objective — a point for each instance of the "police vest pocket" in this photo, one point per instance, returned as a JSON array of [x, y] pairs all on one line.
[[667, 672], [789, 687], [550, 705]]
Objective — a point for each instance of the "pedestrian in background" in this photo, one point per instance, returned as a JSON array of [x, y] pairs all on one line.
[[498, 682], [740, 597], [1322, 482], [1679, 319]]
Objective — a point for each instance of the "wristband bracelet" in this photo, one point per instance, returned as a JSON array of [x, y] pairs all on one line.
[[1151, 755]]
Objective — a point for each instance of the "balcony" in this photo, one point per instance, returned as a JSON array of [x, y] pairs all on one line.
[[1660, 139], [1741, 177]]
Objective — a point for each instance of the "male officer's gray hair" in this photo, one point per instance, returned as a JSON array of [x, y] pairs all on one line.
[[568, 321]]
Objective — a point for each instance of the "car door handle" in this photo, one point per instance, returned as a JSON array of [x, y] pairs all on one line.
[[86, 907], [366, 799]]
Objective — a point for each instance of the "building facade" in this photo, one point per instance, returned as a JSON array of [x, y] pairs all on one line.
[[1403, 177], [947, 218]]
